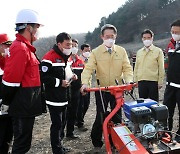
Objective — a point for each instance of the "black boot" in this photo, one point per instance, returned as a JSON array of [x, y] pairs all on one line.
[[170, 124]]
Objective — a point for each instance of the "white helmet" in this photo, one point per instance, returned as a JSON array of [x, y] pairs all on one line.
[[26, 16]]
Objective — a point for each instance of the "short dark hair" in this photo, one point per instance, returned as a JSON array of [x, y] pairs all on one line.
[[147, 31], [108, 26], [84, 46], [75, 40], [176, 23], [63, 36]]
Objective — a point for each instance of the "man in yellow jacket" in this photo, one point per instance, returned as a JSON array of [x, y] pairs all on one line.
[[149, 67], [110, 62]]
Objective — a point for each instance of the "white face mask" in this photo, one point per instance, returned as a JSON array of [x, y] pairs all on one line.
[[147, 43], [109, 42], [67, 52], [176, 37], [6, 52], [37, 34], [74, 50], [86, 54]]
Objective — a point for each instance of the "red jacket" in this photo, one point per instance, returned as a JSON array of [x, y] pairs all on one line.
[[78, 63], [21, 79], [171, 45], [2, 62], [77, 67], [22, 66]]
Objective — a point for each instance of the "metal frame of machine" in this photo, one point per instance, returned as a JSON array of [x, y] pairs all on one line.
[[123, 139]]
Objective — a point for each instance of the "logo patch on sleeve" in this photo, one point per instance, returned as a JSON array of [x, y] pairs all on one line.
[[58, 60], [81, 65], [44, 68]]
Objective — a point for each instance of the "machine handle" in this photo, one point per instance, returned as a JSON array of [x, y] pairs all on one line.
[[111, 88]]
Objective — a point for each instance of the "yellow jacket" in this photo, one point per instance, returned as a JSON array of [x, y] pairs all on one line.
[[108, 67], [149, 65]]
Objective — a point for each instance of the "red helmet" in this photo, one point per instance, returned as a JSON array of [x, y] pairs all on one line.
[[4, 39]]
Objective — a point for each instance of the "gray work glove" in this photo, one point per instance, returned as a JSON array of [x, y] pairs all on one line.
[[4, 108]]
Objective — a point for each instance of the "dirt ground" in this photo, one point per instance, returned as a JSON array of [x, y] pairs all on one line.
[[41, 139], [83, 145]]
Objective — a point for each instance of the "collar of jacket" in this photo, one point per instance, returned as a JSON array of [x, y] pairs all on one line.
[[59, 52], [104, 48], [173, 42], [150, 48], [84, 59], [76, 58], [21, 38]]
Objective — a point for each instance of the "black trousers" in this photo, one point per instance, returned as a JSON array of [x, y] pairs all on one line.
[[6, 129], [96, 132], [148, 89], [171, 98], [22, 129], [58, 119], [72, 111], [0, 87], [82, 108], [6, 134]]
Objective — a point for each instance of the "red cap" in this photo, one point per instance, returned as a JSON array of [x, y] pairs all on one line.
[[4, 39]]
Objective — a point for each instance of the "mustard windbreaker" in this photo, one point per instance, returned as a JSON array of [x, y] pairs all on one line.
[[149, 65], [108, 66]]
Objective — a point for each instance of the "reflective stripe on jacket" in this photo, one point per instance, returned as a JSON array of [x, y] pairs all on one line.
[[21, 80], [53, 72]]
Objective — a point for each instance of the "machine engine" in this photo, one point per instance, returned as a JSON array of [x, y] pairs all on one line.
[[146, 117]]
